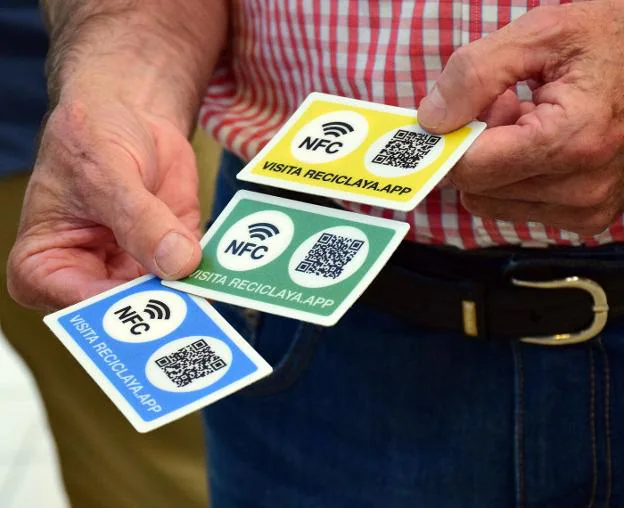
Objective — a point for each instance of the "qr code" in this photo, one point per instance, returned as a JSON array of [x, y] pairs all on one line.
[[329, 255], [195, 361], [406, 149]]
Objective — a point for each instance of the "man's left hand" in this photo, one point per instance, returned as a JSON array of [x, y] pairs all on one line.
[[559, 159]]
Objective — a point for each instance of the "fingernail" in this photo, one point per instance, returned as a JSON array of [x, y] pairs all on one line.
[[173, 253], [432, 110]]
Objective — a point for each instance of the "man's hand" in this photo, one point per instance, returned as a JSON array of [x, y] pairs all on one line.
[[114, 190], [114, 194], [557, 160]]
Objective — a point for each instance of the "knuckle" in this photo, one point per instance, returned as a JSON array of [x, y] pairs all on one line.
[[550, 16], [69, 146], [68, 115], [466, 63], [550, 22], [68, 127]]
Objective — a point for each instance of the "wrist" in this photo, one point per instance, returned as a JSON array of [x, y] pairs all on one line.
[[153, 88], [133, 58]]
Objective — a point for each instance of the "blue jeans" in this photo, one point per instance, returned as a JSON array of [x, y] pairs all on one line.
[[376, 413]]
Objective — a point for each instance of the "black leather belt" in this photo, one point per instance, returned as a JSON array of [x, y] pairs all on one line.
[[545, 296], [553, 296]]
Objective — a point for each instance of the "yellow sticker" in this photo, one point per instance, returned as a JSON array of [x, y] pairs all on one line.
[[358, 151]]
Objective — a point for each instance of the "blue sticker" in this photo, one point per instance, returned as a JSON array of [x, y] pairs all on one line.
[[157, 352]]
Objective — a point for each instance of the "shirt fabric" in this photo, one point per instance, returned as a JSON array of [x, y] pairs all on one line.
[[23, 97], [386, 51]]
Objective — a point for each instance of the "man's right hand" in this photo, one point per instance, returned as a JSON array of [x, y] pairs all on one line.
[[114, 191], [113, 194]]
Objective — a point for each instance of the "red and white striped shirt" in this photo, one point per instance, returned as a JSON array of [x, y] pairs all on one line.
[[387, 51]]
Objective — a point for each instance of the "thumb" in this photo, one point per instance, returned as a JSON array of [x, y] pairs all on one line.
[[149, 231], [476, 74]]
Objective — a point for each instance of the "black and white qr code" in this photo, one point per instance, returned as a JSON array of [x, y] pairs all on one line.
[[329, 255], [195, 361], [406, 149]]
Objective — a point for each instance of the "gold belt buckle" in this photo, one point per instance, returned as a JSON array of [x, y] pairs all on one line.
[[600, 307]]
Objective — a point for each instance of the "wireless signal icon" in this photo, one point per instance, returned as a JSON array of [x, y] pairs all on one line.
[[156, 309], [337, 129], [262, 231]]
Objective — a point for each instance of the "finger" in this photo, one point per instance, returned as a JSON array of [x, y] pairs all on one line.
[[479, 72], [66, 267], [70, 286], [497, 159], [58, 278], [535, 145], [179, 191], [179, 187], [583, 221], [555, 138], [505, 110], [527, 107], [583, 189], [149, 231]]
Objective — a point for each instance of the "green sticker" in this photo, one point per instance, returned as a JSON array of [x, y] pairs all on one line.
[[290, 258]]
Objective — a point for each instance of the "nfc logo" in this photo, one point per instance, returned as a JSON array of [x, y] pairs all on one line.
[[144, 316], [255, 240], [329, 137], [334, 129], [337, 129], [316, 143], [155, 309], [240, 248], [262, 231]]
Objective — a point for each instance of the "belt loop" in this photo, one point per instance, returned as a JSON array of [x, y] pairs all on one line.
[[470, 319], [474, 310]]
